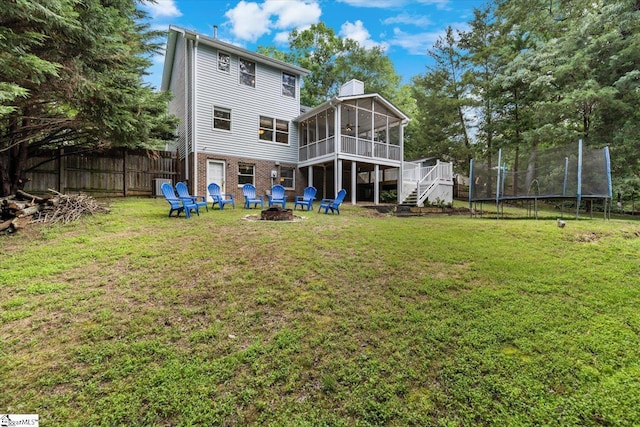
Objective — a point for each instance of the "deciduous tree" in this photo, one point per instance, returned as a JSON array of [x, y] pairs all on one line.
[[333, 60]]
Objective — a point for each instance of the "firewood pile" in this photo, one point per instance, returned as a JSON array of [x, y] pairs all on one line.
[[21, 209]]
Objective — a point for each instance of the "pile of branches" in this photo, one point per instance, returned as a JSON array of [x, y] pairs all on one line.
[[21, 209]]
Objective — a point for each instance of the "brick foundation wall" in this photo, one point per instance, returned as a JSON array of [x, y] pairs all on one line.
[[262, 170]]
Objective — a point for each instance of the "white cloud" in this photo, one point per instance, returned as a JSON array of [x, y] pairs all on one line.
[[251, 20], [458, 26], [159, 27], [163, 8], [293, 14], [420, 43], [381, 4], [405, 18], [282, 37], [415, 44], [440, 4], [248, 21], [356, 31], [387, 4]]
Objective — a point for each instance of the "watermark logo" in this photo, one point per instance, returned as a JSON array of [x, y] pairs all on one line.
[[16, 420]]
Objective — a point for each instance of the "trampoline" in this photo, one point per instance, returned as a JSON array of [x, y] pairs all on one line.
[[573, 173]]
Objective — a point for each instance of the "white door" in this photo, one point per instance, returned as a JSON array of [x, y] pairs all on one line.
[[215, 173]]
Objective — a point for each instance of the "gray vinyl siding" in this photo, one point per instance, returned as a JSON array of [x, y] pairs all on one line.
[[247, 104], [177, 87]]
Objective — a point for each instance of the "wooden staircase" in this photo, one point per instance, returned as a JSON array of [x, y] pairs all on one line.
[[411, 199], [423, 185]]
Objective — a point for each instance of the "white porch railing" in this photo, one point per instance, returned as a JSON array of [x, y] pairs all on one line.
[[350, 145], [423, 180], [368, 148], [317, 149]]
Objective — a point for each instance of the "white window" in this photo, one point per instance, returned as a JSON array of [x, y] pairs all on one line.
[[287, 177], [224, 62], [221, 118], [289, 85], [247, 72], [274, 130], [246, 174]]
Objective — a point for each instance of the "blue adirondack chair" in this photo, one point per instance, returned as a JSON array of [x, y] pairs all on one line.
[[306, 199], [250, 198], [183, 193], [177, 204], [333, 204], [217, 196], [278, 196]]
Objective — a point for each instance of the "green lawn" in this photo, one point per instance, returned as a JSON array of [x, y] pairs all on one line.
[[136, 319]]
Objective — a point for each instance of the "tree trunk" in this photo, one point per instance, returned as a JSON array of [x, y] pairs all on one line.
[[13, 162], [22, 149], [5, 181]]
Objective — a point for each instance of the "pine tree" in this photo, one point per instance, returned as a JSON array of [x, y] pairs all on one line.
[[72, 73], [442, 99]]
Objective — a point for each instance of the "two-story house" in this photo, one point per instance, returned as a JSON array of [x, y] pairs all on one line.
[[242, 122]]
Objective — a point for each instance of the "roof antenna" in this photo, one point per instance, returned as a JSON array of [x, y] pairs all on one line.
[[215, 31]]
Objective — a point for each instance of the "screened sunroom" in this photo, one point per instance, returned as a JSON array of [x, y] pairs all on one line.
[[350, 142]]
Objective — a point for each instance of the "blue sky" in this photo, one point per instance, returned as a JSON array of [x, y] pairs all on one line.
[[405, 29]]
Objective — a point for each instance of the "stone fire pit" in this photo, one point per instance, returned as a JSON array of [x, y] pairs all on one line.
[[276, 213]]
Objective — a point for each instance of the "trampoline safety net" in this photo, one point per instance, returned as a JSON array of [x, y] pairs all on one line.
[[572, 171]]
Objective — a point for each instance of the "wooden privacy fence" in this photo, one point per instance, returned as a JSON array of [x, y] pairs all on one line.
[[117, 172]]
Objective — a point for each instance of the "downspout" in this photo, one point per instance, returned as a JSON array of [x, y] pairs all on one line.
[[188, 95], [186, 91], [193, 118]]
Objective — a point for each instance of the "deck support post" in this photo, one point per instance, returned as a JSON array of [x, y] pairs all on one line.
[[376, 185], [354, 181], [338, 177]]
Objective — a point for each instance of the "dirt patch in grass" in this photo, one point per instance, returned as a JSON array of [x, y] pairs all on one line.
[[373, 213], [256, 218], [630, 234], [589, 237]]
